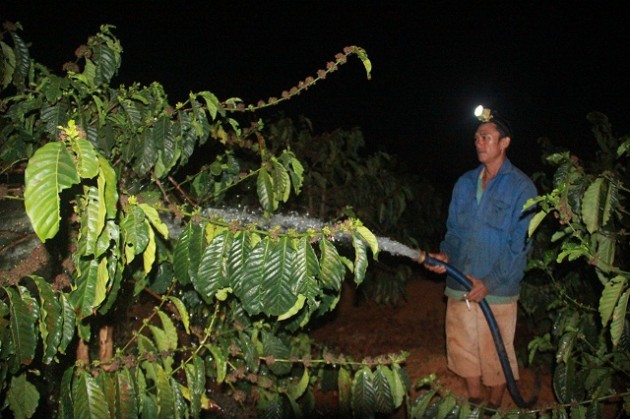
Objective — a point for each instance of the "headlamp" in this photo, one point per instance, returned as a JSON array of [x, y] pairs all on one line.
[[483, 114]]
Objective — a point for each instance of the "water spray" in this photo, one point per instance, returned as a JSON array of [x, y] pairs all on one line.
[[424, 257]]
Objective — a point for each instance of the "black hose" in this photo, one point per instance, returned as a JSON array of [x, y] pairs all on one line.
[[494, 329]]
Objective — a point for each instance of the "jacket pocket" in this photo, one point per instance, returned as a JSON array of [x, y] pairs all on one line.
[[498, 214]]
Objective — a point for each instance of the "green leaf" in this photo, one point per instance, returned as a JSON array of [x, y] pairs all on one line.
[[148, 256], [134, 232], [213, 271], [196, 379], [332, 269], [297, 174], [181, 258], [188, 252], [50, 320], [278, 297], [153, 216], [101, 284], [22, 327], [579, 412], [65, 394], [23, 397], [369, 238], [108, 385], [87, 158], [183, 313], [591, 205], [114, 278], [281, 181], [93, 220], [344, 385], [273, 346], [610, 296], [565, 347], [49, 171], [126, 396], [611, 201], [360, 259], [396, 385], [265, 190], [248, 345], [69, 319], [107, 178], [88, 398], [299, 304], [296, 390], [8, 56], [105, 59], [619, 318], [146, 346], [362, 54], [169, 331], [83, 296], [164, 139], [22, 58], [165, 395], [212, 104], [220, 362], [163, 339], [305, 264], [250, 290], [564, 381], [447, 404], [145, 153], [54, 117], [363, 394], [239, 253], [384, 400], [535, 222], [421, 404], [605, 251]]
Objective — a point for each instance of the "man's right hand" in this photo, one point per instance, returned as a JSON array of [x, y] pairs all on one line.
[[437, 268]]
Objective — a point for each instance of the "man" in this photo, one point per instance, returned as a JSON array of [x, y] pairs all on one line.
[[486, 239]]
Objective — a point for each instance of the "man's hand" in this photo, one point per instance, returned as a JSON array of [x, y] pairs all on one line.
[[439, 269], [478, 291]]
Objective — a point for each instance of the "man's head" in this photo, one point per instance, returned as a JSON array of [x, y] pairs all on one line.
[[491, 142], [492, 137]]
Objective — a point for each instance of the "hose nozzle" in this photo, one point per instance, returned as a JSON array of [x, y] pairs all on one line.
[[422, 255]]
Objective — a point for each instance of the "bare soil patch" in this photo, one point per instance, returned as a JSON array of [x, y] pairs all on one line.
[[361, 328]]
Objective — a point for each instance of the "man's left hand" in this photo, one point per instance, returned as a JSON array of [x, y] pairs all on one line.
[[478, 291]]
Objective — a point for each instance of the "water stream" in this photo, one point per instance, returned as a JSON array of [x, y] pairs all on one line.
[[301, 223]]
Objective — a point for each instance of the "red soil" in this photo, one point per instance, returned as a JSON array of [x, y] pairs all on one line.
[[362, 328]]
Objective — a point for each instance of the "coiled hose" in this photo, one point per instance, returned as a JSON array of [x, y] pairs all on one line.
[[494, 329]]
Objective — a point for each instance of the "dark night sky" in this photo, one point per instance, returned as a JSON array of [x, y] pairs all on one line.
[[543, 65]]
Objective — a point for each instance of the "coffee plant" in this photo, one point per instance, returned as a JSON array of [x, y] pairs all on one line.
[[579, 278], [155, 308]]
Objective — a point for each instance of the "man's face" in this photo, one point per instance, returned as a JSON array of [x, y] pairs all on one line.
[[490, 148]]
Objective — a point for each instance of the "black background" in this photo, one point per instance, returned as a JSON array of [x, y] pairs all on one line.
[[543, 65]]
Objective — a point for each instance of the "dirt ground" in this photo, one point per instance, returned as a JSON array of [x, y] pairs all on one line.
[[363, 328]]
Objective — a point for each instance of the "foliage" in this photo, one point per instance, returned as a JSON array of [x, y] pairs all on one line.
[[581, 254], [107, 180], [341, 179]]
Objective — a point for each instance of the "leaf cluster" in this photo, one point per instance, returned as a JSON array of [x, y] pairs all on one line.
[[107, 176], [587, 286]]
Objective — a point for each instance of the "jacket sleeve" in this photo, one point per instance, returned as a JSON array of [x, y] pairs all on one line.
[[452, 238]]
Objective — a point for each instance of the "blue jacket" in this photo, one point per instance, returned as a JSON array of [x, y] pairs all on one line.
[[489, 239]]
